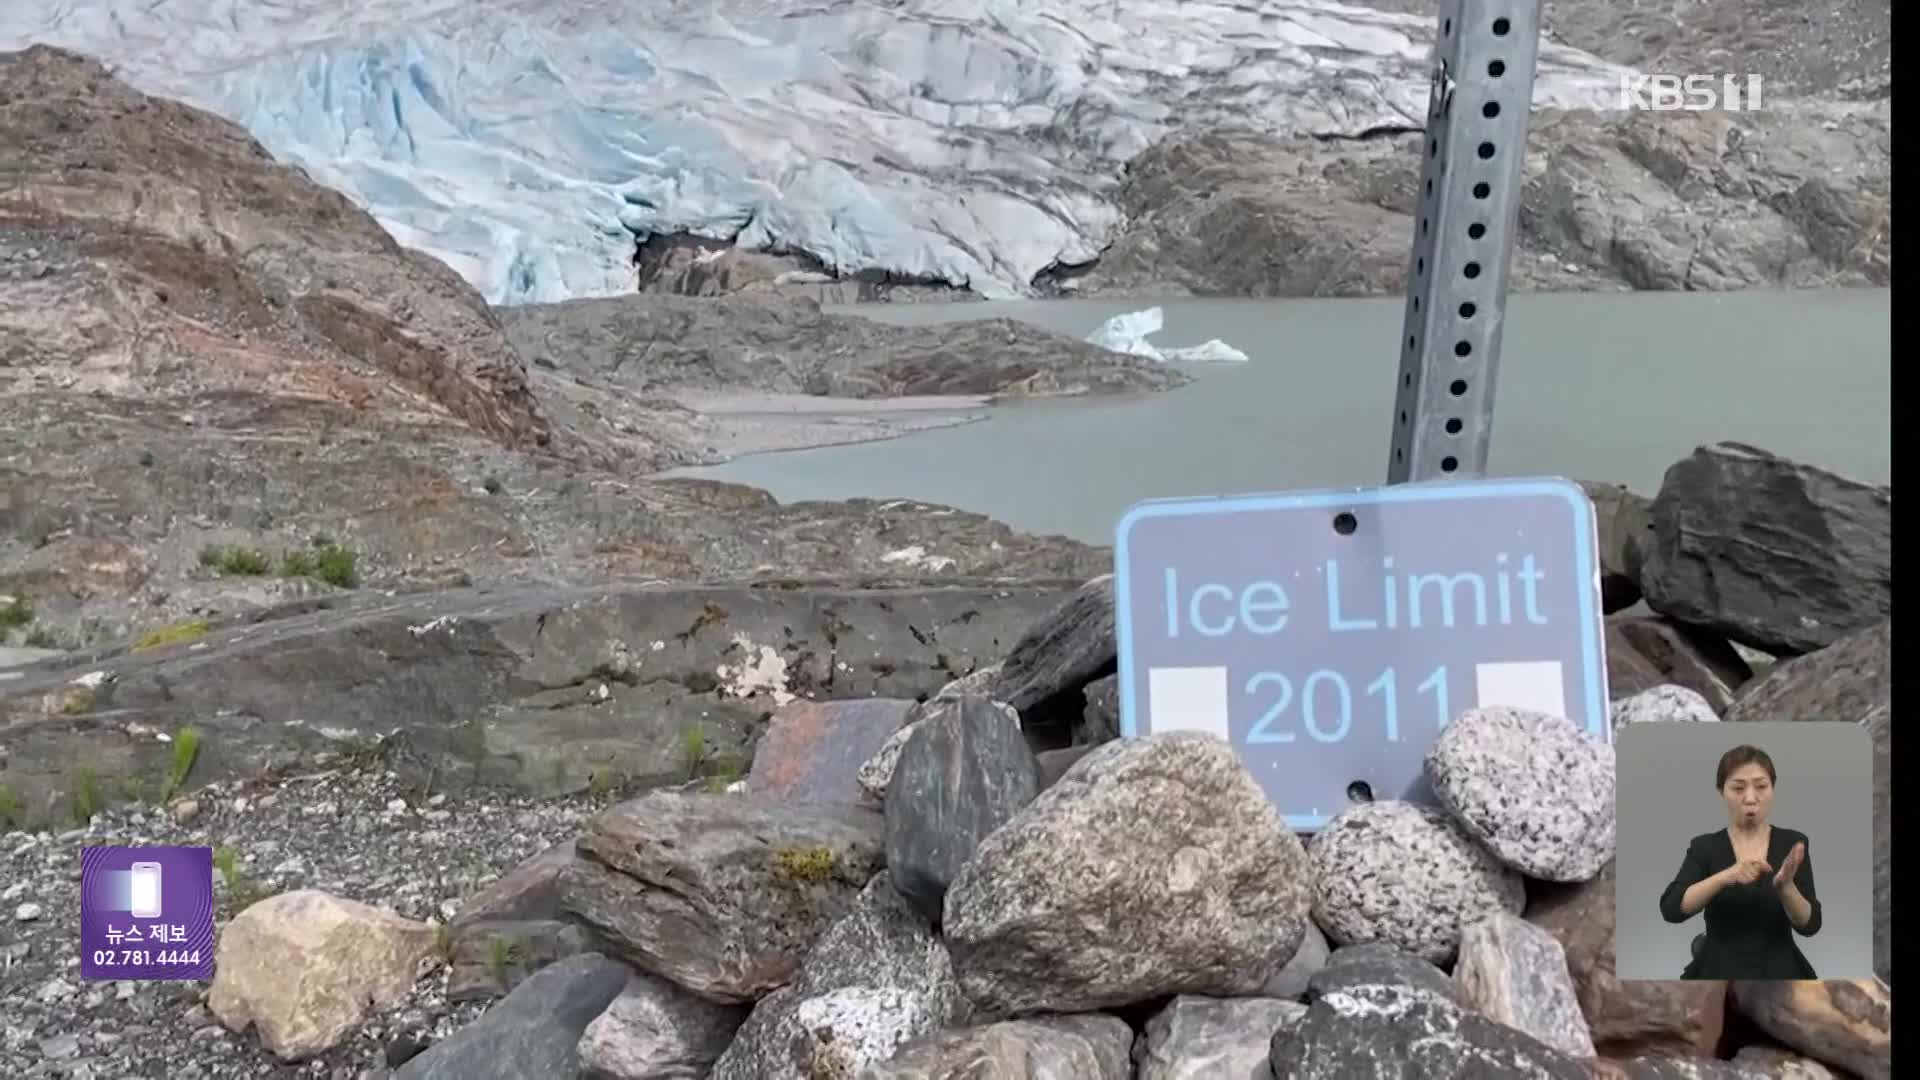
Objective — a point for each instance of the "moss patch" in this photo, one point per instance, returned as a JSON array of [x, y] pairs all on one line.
[[804, 865], [173, 634]]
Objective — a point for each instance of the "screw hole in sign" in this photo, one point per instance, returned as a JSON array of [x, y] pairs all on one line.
[[1345, 523], [1360, 791]]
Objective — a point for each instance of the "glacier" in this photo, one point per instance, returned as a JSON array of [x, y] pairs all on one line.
[[530, 143]]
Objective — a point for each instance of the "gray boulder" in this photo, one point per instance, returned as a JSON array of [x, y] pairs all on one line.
[[964, 772], [1154, 867], [875, 979], [1512, 971], [1406, 875], [1084, 1047], [1397, 1031], [1063, 651], [719, 894], [1823, 570], [656, 1031], [1291, 981], [534, 1031], [1377, 964], [1532, 788], [1661, 704], [1207, 1038]]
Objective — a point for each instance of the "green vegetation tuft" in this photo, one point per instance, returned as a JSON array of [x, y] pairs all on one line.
[[173, 634], [186, 749], [40, 637], [83, 794], [328, 562], [502, 954], [600, 783], [804, 866], [12, 811], [242, 893], [16, 612], [693, 751], [235, 561]]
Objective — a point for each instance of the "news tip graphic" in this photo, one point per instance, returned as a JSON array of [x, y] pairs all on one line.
[[146, 913]]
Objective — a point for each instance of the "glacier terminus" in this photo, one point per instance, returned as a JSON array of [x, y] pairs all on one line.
[[531, 144]]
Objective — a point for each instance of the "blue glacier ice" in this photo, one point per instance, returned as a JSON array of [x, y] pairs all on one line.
[[528, 143]]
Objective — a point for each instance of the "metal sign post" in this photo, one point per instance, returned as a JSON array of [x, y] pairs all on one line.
[[1329, 636], [1463, 236]]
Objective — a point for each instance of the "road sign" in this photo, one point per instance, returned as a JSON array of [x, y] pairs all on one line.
[[1330, 635]]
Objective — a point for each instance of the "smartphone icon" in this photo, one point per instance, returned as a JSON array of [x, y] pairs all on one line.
[[146, 890]]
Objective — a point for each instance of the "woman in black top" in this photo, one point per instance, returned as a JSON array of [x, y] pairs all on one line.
[[1753, 879]]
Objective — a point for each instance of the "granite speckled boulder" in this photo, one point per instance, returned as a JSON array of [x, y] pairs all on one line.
[[1663, 704], [1154, 867], [1531, 787], [1407, 875]]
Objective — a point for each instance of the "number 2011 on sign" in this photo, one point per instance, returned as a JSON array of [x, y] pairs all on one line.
[[1327, 702]]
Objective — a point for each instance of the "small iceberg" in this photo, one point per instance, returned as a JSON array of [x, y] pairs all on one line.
[[1128, 334]]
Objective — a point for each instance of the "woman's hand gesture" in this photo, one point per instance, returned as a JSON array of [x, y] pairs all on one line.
[[1748, 871], [1790, 866]]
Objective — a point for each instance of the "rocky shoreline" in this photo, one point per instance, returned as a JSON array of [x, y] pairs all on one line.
[[906, 879]]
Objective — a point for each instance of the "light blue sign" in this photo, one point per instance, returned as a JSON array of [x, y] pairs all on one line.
[[1331, 635]]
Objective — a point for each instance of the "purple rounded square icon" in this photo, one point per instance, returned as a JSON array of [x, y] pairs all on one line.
[[146, 913]]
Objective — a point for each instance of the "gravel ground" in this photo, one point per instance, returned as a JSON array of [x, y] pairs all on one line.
[[356, 834]]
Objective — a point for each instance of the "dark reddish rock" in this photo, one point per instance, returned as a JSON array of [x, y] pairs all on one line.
[[813, 750], [1845, 1023], [1645, 651], [1631, 1018]]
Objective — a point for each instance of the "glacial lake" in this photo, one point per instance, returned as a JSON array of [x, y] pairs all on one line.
[[1596, 386]]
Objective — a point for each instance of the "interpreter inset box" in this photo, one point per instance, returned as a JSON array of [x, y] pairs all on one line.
[[1743, 851]]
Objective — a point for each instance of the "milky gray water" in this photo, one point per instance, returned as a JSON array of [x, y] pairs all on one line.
[[1600, 386]]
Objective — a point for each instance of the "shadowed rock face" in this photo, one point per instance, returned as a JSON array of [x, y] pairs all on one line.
[[1636, 200], [171, 255]]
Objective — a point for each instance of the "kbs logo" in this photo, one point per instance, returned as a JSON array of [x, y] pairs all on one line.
[[1690, 93]]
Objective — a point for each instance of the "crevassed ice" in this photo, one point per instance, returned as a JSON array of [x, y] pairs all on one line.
[[977, 142]]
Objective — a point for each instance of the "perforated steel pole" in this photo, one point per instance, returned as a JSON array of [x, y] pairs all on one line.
[[1468, 210]]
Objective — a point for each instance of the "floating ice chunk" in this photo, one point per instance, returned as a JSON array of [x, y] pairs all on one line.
[[1128, 333]]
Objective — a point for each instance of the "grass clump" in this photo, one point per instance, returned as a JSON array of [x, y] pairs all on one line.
[[83, 795], [804, 866], [235, 561], [504, 954], [12, 811], [242, 892], [173, 634], [693, 751], [75, 701], [186, 749], [329, 562], [15, 612]]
